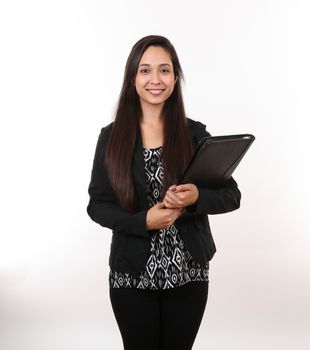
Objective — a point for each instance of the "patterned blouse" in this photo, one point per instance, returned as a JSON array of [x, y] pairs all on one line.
[[169, 264]]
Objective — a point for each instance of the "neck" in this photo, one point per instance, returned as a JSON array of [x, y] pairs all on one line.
[[152, 114]]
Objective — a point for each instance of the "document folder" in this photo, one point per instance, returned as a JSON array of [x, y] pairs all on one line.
[[215, 159]]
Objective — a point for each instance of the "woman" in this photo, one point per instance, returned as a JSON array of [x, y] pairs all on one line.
[[161, 243]]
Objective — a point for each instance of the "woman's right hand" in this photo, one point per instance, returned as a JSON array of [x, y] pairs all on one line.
[[159, 216]]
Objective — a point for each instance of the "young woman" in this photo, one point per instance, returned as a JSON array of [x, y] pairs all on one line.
[[161, 242]]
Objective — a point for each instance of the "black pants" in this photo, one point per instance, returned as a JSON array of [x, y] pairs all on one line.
[[166, 319]]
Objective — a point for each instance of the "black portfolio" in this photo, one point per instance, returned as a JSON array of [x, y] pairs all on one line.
[[215, 159]]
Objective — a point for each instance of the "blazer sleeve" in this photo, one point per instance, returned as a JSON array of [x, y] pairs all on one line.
[[216, 201], [104, 207]]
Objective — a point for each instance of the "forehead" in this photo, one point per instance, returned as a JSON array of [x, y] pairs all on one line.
[[155, 55]]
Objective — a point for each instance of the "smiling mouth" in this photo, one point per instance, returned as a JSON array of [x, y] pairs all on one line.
[[155, 92]]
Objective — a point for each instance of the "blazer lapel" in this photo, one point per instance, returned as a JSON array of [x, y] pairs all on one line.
[[139, 172]]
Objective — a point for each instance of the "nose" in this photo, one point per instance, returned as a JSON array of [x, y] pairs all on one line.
[[155, 79]]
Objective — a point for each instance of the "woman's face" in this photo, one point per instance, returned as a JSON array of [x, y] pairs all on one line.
[[155, 80]]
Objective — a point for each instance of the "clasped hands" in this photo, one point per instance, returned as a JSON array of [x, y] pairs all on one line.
[[177, 198]]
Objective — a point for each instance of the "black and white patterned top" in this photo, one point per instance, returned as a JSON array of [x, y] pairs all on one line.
[[169, 264]]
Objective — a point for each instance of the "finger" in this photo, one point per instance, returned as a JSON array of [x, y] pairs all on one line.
[[167, 204], [161, 205], [177, 197], [170, 195], [172, 198], [183, 187], [170, 202], [172, 188]]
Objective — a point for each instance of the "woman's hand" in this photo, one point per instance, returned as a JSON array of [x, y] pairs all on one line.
[[159, 217], [181, 196]]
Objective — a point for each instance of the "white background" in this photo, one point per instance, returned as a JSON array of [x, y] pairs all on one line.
[[246, 66]]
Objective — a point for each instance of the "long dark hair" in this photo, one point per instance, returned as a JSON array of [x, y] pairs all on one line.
[[177, 147]]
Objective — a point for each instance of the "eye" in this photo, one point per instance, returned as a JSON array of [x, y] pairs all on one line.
[[143, 70], [165, 70]]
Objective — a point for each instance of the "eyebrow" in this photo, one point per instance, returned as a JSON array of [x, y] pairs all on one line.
[[148, 65]]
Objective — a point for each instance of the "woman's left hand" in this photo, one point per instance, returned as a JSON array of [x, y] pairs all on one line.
[[181, 195]]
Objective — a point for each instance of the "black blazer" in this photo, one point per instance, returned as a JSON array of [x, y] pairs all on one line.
[[130, 245]]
